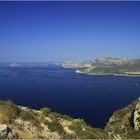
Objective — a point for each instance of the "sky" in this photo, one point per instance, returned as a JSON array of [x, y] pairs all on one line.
[[59, 31]]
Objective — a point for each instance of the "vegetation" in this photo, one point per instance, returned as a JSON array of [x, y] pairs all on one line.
[[29, 115], [45, 111], [63, 126], [84, 131], [8, 111], [121, 122], [55, 125], [117, 69]]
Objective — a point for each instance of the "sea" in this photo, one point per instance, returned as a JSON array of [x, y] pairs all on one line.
[[88, 97]]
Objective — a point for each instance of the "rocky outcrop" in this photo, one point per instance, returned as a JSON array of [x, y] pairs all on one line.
[[6, 132], [137, 116], [125, 123]]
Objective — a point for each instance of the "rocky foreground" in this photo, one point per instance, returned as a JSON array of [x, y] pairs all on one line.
[[25, 123]]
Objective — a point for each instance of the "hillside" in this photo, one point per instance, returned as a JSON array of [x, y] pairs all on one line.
[[107, 66], [23, 122], [125, 123]]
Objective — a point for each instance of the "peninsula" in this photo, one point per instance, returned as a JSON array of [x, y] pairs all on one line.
[[106, 66]]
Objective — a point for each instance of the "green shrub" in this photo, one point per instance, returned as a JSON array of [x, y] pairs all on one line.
[[55, 126], [8, 111], [43, 120], [29, 115], [45, 111], [66, 117], [134, 135], [77, 124], [68, 136], [84, 131]]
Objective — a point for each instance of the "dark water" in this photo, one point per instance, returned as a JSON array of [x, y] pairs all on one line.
[[92, 98]]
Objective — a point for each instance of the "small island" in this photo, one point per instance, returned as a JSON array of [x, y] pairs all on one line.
[[107, 66], [14, 65]]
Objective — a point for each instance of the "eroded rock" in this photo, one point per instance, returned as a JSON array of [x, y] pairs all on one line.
[[137, 116], [6, 132]]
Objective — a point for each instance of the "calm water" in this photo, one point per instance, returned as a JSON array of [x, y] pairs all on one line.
[[93, 98]]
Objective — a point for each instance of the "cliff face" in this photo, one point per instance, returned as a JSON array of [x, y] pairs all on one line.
[[137, 117], [125, 123], [23, 122]]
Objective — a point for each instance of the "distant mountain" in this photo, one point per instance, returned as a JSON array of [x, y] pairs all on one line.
[[107, 66], [107, 61], [17, 122]]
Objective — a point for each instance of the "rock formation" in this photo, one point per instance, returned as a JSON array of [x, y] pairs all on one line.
[[137, 117], [6, 132]]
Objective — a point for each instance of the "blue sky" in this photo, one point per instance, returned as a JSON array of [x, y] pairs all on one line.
[[57, 31]]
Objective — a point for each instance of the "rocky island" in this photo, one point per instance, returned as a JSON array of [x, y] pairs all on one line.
[[26, 123], [14, 65], [107, 66]]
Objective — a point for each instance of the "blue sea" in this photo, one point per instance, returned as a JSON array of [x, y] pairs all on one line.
[[92, 98]]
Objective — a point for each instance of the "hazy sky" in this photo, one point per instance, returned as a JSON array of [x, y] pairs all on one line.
[[53, 31]]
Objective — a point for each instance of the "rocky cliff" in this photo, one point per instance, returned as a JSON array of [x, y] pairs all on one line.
[[137, 117], [125, 123], [23, 122]]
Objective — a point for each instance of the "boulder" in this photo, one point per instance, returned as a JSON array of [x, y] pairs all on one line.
[[6, 132]]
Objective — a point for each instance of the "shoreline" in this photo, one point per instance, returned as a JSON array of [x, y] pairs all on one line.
[[102, 74]]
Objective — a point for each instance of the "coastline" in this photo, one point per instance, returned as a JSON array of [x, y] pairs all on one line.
[[107, 74]]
